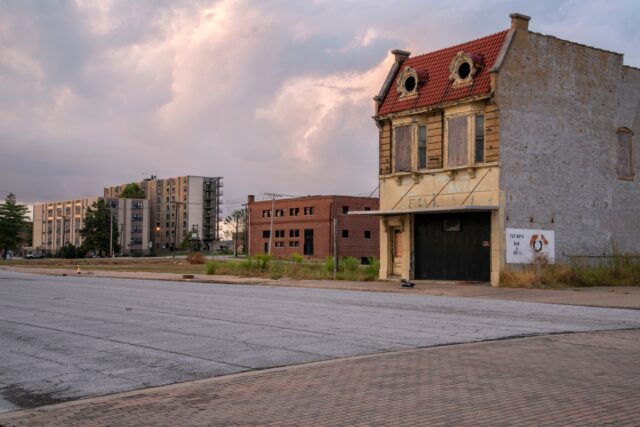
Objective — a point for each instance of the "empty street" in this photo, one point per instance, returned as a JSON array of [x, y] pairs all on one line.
[[63, 338]]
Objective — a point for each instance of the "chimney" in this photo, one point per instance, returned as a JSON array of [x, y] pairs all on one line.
[[251, 198], [519, 21], [400, 55]]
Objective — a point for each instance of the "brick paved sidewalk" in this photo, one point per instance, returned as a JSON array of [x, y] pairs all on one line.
[[570, 379]]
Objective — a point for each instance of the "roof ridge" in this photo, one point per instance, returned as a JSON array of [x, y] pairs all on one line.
[[459, 44]]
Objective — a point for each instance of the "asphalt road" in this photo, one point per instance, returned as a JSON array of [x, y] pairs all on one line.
[[63, 338]]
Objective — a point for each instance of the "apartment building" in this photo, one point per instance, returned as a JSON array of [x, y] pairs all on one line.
[[178, 206], [305, 226], [133, 225], [56, 224]]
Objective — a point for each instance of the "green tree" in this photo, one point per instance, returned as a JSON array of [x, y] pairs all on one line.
[[132, 191], [13, 216], [238, 221], [69, 251], [97, 228], [191, 240]]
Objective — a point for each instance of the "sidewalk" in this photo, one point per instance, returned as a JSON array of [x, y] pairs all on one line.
[[569, 379], [613, 297]]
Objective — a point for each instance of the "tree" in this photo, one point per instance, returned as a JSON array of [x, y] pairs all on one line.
[[132, 191], [13, 216], [191, 240], [97, 228], [237, 220], [69, 251]]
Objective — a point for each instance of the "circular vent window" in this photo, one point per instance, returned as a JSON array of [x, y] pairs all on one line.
[[464, 70], [410, 84]]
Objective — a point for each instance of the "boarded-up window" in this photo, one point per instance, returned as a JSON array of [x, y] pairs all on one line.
[[625, 161], [457, 141], [402, 148]]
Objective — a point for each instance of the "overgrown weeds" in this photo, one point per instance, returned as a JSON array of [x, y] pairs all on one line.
[[295, 268], [616, 270], [195, 258]]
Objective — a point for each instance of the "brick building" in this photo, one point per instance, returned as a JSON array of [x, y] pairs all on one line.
[[304, 225], [508, 149]]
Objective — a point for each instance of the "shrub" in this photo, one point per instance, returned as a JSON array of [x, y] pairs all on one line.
[[297, 258], [329, 264], [276, 271], [247, 264], [263, 261], [372, 271], [195, 258], [349, 264], [212, 267]]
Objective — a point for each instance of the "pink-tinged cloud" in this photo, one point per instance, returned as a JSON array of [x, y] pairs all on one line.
[[272, 95]]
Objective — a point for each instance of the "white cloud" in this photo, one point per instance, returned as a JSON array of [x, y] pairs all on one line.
[[274, 96]]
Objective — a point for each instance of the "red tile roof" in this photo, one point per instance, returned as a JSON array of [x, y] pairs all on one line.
[[438, 89]]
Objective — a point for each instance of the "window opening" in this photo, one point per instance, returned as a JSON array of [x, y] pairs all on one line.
[[422, 147], [479, 139]]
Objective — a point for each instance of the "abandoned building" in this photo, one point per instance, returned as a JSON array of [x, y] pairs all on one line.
[[314, 227], [508, 149]]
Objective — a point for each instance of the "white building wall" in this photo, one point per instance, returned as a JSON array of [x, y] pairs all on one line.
[[194, 203]]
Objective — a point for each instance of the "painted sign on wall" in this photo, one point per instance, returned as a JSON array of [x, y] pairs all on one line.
[[525, 246]]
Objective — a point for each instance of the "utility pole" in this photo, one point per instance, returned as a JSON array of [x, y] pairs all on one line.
[[246, 229], [335, 246], [273, 214]]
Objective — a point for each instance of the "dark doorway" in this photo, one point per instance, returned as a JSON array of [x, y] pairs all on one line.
[[308, 241], [453, 246], [266, 247]]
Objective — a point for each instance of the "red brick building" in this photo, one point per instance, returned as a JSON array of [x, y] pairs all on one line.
[[304, 225]]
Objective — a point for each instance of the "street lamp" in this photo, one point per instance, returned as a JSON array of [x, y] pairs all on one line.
[[111, 231]]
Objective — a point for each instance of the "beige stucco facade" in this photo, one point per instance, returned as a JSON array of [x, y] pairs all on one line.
[[473, 186]]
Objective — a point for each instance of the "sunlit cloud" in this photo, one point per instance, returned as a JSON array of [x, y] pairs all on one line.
[[273, 96]]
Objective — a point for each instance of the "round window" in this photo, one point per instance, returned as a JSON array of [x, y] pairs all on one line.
[[410, 84], [464, 70]]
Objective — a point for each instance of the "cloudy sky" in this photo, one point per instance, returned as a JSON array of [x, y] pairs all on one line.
[[272, 95]]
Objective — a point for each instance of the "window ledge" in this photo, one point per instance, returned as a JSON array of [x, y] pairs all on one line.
[[453, 169]]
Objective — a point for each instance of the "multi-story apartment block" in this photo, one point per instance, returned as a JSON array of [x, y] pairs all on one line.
[[133, 225], [510, 149], [56, 224], [305, 226], [179, 206]]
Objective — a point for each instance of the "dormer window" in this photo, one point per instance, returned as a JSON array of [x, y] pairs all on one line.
[[463, 68], [409, 81]]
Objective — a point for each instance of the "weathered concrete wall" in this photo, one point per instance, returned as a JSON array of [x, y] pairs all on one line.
[[560, 106]]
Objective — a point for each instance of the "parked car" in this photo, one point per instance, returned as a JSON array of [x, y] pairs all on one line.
[[34, 255]]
